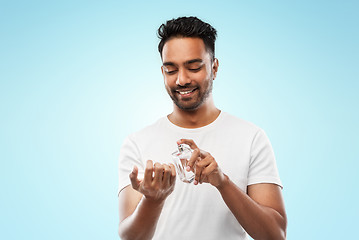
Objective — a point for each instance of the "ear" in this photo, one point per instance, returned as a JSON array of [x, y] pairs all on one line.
[[163, 71], [215, 66]]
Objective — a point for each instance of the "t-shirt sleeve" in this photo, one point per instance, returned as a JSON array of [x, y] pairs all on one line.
[[262, 166], [129, 157]]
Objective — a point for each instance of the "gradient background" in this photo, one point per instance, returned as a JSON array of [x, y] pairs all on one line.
[[76, 77]]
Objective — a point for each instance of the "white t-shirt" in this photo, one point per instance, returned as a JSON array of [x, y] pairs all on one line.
[[242, 151]]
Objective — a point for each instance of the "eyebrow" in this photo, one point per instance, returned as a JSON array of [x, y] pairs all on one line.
[[194, 61], [186, 63], [168, 64]]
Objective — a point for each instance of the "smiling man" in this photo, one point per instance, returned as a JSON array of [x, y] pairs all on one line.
[[236, 188], [199, 72]]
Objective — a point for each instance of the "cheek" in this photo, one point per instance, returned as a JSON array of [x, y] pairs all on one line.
[[169, 83], [200, 77]]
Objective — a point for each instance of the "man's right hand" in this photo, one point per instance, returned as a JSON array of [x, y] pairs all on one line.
[[158, 182], [140, 204]]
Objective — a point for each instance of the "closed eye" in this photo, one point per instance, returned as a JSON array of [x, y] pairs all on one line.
[[195, 69], [171, 72], [170, 69]]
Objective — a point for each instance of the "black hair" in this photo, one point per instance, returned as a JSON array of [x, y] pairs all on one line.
[[187, 27]]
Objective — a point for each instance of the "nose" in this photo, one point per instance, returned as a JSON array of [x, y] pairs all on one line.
[[182, 78]]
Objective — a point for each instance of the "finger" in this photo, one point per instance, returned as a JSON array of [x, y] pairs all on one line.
[[203, 179], [203, 164], [158, 169], [204, 154], [189, 142], [133, 177], [197, 172], [148, 172], [194, 157], [173, 174], [212, 167], [166, 175]]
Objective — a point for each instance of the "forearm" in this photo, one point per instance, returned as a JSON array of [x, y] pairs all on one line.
[[259, 221], [141, 224]]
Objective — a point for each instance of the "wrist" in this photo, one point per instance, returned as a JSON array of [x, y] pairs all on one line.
[[225, 182], [153, 202]]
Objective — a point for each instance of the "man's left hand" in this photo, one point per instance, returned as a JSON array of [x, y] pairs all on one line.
[[204, 166]]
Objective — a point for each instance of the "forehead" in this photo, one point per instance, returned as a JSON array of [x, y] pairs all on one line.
[[179, 50]]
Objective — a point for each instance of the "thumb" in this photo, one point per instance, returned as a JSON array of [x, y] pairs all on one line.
[[133, 177]]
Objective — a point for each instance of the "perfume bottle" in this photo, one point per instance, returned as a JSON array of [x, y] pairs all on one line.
[[181, 158]]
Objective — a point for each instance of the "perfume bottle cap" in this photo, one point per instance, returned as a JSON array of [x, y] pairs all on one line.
[[182, 147]]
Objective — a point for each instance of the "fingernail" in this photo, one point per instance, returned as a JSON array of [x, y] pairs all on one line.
[[195, 182], [188, 168]]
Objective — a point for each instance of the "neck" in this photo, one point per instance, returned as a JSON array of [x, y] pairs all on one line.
[[200, 117]]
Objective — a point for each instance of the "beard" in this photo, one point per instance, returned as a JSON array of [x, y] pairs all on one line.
[[193, 103]]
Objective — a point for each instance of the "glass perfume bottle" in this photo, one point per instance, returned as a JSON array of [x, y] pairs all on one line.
[[181, 158]]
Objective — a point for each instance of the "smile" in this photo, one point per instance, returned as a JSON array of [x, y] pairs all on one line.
[[187, 92]]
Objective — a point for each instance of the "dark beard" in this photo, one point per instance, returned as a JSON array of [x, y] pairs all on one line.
[[198, 103]]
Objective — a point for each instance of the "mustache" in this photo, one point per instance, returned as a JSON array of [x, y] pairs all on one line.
[[187, 87]]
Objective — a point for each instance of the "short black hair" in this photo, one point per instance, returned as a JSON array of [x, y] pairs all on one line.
[[187, 27]]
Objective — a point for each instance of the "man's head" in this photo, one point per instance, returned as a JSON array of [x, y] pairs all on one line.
[[191, 27], [189, 66]]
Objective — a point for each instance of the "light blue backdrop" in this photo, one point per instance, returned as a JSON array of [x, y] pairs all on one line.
[[77, 76]]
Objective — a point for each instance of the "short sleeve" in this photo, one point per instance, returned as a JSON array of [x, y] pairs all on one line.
[[129, 157], [262, 166]]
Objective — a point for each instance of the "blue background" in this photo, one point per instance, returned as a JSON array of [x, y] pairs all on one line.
[[76, 77]]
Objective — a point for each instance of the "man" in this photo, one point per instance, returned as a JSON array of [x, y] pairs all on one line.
[[236, 187]]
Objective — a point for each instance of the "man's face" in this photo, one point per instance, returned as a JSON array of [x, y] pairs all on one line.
[[188, 72]]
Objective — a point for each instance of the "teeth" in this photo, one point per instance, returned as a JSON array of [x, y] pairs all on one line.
[[186, 92]]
